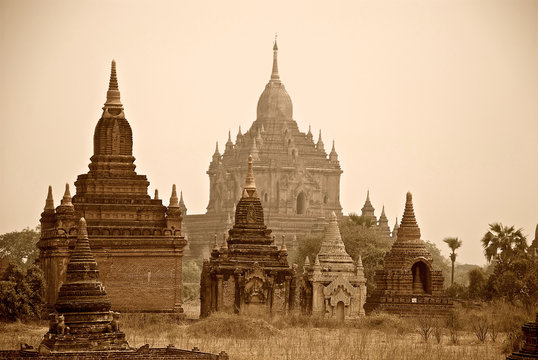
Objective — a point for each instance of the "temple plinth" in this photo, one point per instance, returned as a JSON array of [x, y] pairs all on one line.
[[530, 348]]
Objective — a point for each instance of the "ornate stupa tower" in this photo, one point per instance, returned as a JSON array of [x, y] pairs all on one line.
[[82, 320], [136, 240], [298, 182], [334, 286], [247, 273], [408, 284]]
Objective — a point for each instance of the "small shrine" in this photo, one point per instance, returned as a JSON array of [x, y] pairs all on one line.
[[408, 285], [334, 286], [247, 273]]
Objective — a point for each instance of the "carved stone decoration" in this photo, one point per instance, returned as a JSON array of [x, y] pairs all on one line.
[[247, 266], [334, 286]]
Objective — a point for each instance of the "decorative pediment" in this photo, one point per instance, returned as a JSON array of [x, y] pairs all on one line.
[[255, 272], [339, 283], [340, 295]]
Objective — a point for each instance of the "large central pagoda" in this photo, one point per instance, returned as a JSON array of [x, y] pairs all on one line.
[[298, 182]]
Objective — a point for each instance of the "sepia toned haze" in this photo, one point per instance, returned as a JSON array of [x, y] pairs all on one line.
[[436, 97]]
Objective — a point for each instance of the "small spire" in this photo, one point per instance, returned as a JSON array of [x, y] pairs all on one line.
[[217, 148], [263, 129], [368, 195], [254, 153], [215, 245], [307, 261], [383, 212], [274, 73], [156, 197], [181, 197], [49, 203], [224, 242], [359, 261], [173, 198], [333, 156], [113, 93], [283, 245], [66, 200], [229, 135], [320, 145], [316, 262], [250, 186]]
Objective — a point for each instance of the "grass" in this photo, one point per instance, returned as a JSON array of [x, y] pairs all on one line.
[[378, 336]]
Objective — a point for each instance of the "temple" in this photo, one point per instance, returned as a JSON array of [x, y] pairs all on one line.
[[382, 225], [408, 285], [247, 273], [298, 182], [136, 240], [334, 286], [82, 325]]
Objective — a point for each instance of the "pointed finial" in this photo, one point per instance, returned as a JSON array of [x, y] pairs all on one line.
[[229, 135], [333, 150], [307, 261], [309, 133], [250, 186], [316, 262], [368, 195], [332, 217], [156, 197], [217, 147], [181, 196], [274, 74], [49, 203], [283, 245], [383, 211], [359, 261], [113, 93], [173, 198], [66, 200], [82, 228]]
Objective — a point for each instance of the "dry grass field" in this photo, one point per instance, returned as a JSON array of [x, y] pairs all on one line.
[[296, 337]]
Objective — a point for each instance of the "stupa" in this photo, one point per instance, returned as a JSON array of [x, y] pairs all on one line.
[[408, 285], [247, 273], [334, 286], [136, 240]]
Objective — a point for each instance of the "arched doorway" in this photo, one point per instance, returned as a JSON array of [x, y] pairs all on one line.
[[422, 279], [340, 311], [301, 203]]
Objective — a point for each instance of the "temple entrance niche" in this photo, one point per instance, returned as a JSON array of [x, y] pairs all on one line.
[[422, 280], [301, 203], [340, 311]]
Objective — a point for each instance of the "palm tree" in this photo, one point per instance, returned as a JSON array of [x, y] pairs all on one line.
[[453, 243], [503, 242]]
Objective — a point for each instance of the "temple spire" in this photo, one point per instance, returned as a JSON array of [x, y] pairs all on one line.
[[66, 200], [333, 156], [173, 199], [409, 229], [49, 203], [320, 145], [274, 73], [250, 186], [113, 93], [156, 197]]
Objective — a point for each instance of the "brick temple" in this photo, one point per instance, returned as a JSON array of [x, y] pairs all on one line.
[[136, 240], [381, 225], [298, 182], [408, 285], [247, 273], [82, 325], [334, 286]]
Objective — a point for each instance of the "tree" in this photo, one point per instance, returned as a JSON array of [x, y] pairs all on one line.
[[453, 243], [477, 283], [503, 243], [20, 246], [21, 295]]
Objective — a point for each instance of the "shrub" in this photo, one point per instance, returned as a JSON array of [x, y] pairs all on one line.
[[222, 325]]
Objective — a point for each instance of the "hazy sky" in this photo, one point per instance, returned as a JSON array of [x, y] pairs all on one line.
[[436, 97]]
